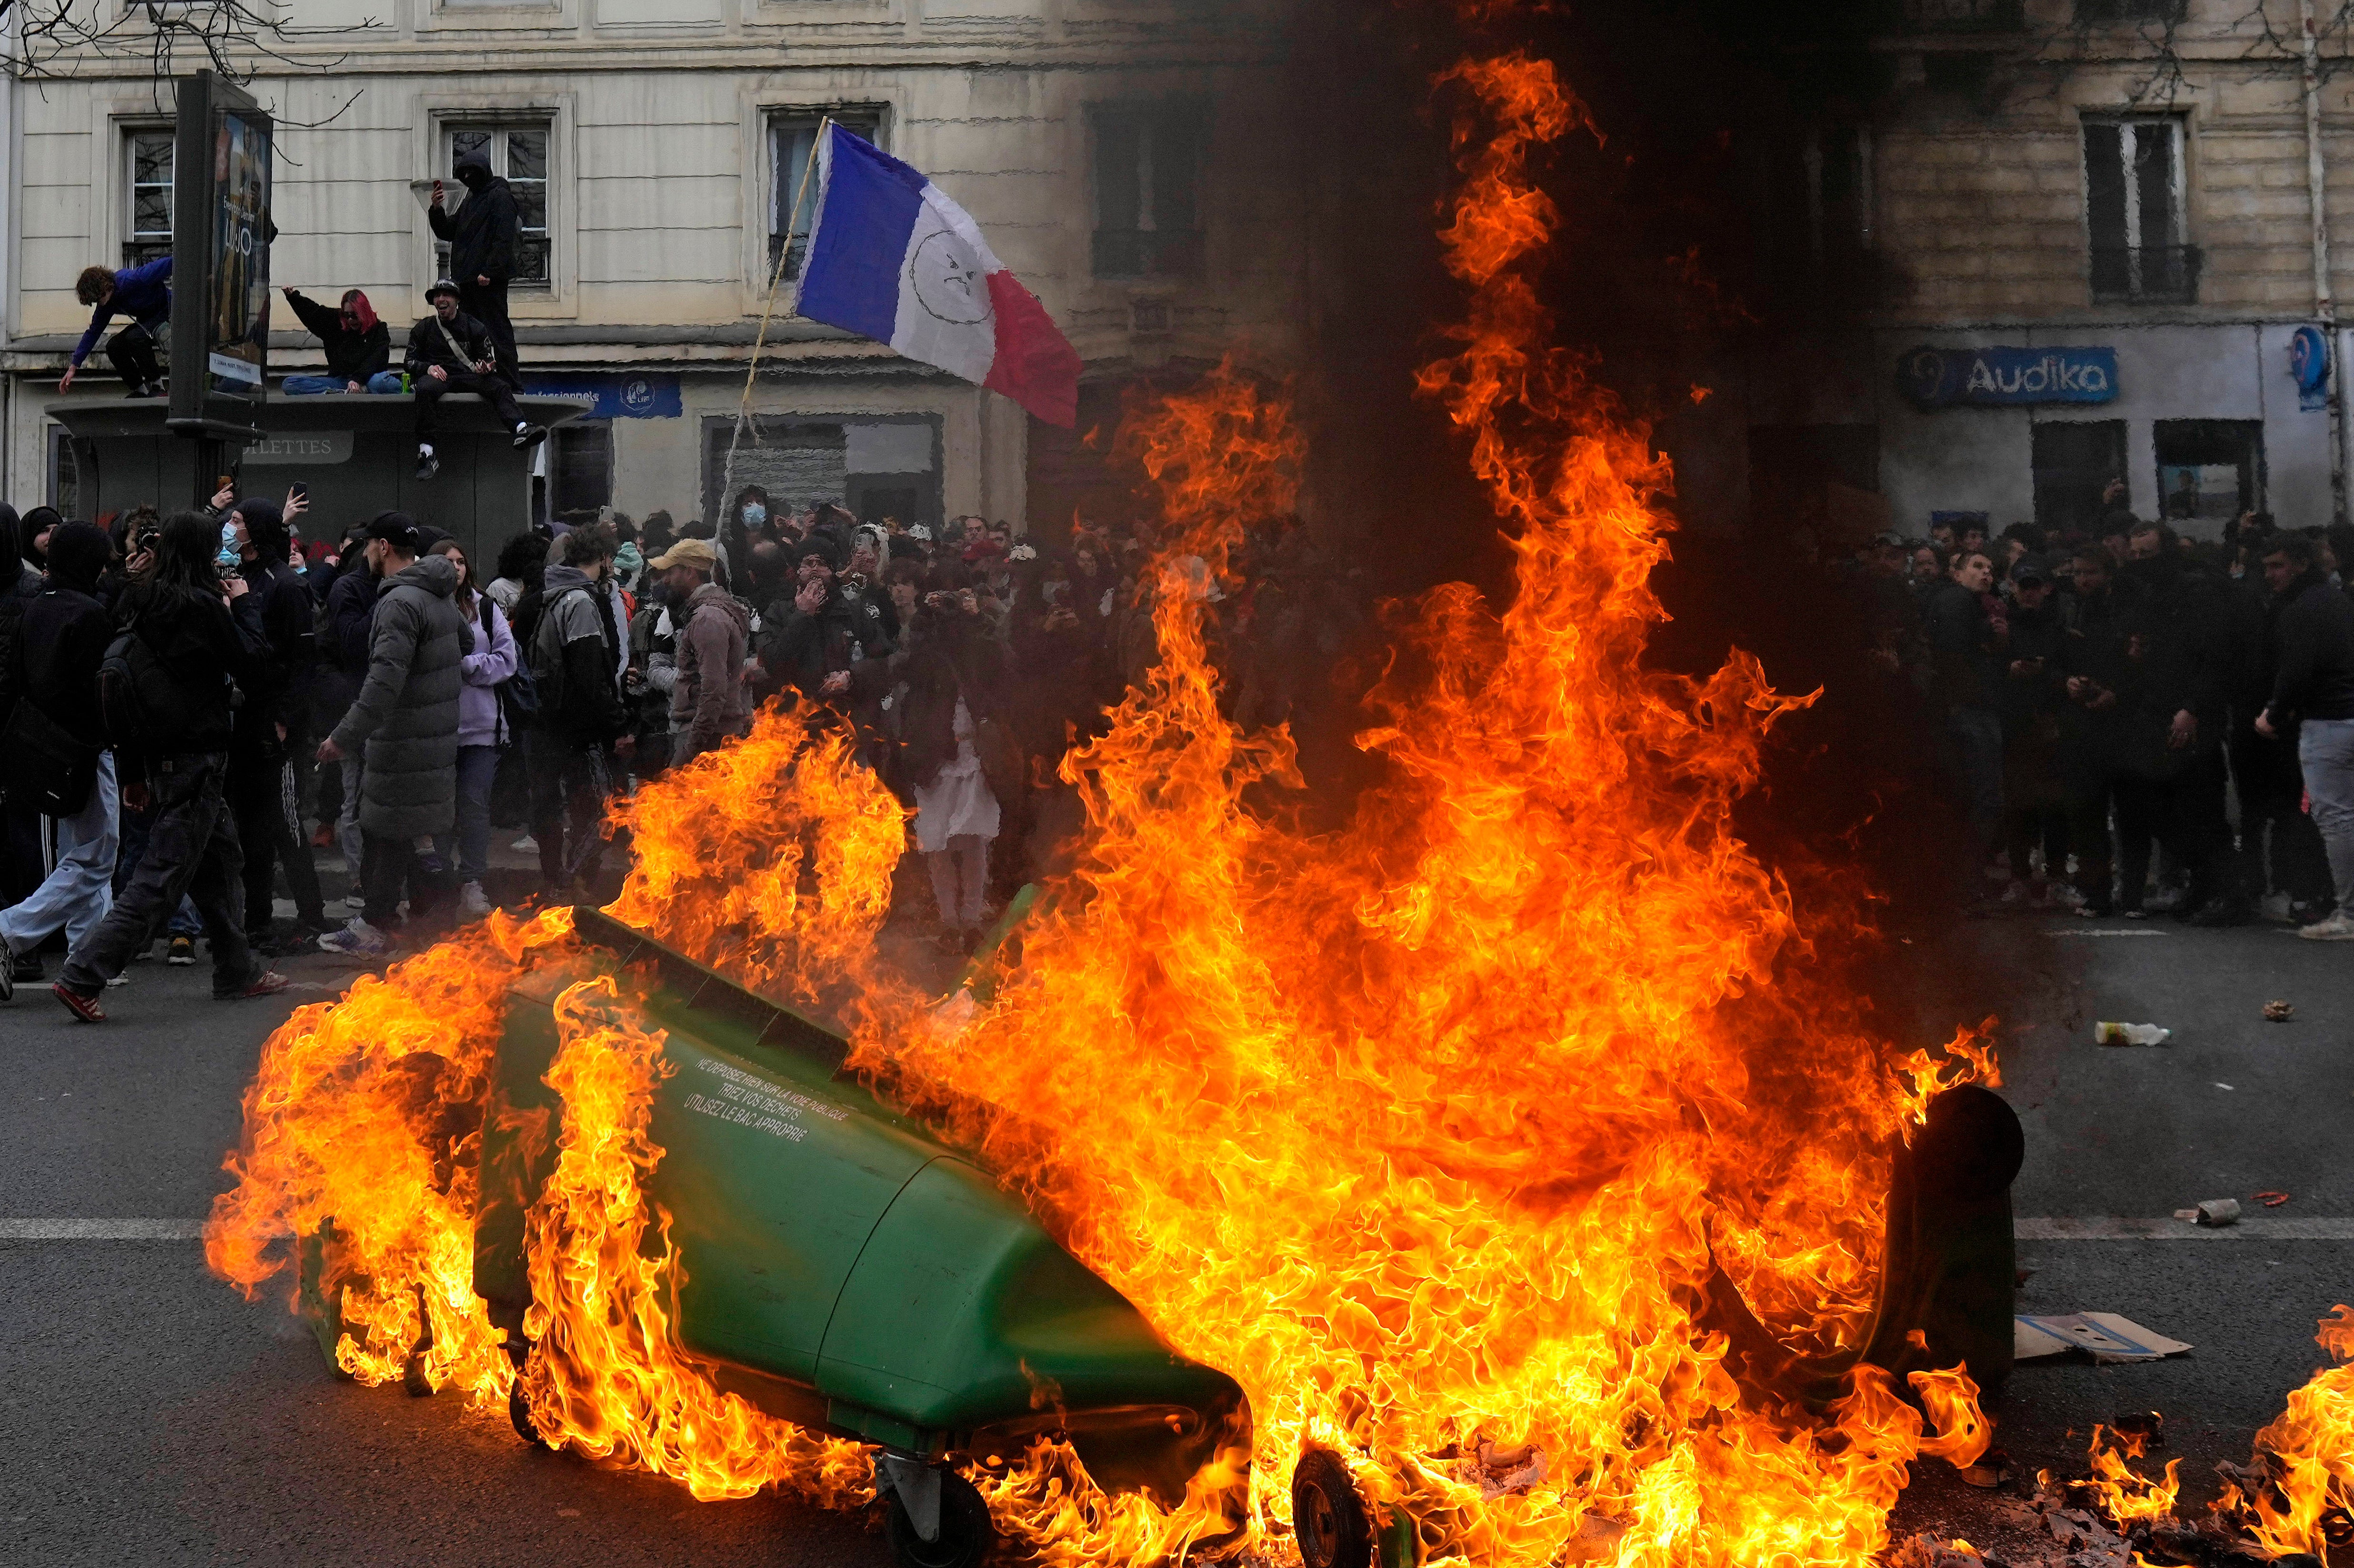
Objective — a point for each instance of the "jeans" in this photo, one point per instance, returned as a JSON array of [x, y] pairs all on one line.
[[383, 381], [569, 787], [76, 896], [2326, 750], [347, 824], [477, 765], [961, 880], [192, 853]]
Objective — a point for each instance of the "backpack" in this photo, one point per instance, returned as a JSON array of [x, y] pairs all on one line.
[[139, 703]]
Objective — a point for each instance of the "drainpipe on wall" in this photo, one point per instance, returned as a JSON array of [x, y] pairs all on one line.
[[2324, 302]]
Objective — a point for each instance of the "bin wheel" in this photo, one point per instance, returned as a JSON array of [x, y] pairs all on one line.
[[1328, 1514], [519, 1416], [966, 1534]]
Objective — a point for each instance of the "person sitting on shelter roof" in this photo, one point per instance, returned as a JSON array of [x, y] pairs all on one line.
[[359, 346], [450, 351], [143, 293]]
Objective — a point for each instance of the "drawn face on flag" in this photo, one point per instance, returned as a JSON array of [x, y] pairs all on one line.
[[948, 280], [945, 309]]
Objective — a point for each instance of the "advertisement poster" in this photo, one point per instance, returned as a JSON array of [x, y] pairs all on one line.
[[238, 328]]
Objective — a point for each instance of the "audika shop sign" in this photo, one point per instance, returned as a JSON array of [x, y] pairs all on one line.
[[2007, 377]]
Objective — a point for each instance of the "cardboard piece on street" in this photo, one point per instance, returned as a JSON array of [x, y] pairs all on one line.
[[2108, 1338]]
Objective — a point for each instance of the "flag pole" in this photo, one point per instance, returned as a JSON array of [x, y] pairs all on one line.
[[776, 276]]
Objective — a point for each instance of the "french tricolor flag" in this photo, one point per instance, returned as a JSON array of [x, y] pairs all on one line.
[[892, 258]]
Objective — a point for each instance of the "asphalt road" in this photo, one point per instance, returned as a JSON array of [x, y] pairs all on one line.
[[148, 1415]]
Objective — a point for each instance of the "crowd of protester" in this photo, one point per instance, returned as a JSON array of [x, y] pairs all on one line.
[[2132, 722], [194, 709]]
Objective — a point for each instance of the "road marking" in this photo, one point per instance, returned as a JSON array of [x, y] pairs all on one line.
[[101, 1230], [2256, 1228], [2122, 931]]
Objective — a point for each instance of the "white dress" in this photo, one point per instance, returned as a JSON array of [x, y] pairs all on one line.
[[958, 802]]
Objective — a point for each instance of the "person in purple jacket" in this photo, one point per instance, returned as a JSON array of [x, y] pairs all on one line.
[[143, 293]]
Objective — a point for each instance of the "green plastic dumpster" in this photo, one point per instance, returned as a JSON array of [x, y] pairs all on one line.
[[847, 1271]]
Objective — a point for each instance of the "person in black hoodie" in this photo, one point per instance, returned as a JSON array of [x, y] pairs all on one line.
[[2029, 694], [574, 647], [1962, 644], [61, 638], [450, 351], [358, 345], [2288, 860], [270, 763], [202, 636], [2313, 696], [482, 251], [2102, 687]]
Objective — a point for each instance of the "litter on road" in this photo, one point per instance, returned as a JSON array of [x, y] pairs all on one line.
[[2108, 1338], [2130, 1034], [2213, 1212]]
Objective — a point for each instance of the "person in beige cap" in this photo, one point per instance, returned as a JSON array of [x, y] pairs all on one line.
[[710, 704]]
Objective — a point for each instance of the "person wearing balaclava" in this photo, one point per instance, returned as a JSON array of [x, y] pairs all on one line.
[[64, 636], [2174, 735], [482, 236]]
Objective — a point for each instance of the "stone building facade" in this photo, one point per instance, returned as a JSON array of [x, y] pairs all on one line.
[[658, 146], [2070, 184]]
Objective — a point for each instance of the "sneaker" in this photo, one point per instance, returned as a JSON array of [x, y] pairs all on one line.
[[356, 903], [182, 952], [2015, 895], [359, 940], [525, 845], [2337, 928], [427, 465], [472, 903], [7, 972], [85, 1008], [269, 982], [141, 389], [2276, 910], [120, 980], [531, 435]]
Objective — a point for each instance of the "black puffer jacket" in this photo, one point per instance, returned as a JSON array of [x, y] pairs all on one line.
[[407, 712], [482, 232]]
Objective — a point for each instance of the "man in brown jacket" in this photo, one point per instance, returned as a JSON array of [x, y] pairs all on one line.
[[710, 704]]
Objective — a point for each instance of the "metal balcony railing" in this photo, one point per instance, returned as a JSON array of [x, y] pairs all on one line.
[[1956, 16], [2146, 274]]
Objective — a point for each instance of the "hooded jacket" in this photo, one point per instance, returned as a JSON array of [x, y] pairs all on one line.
[[19, 578], [205, 649], [482, 232], [709, 702], [406, 716], [143, 293], [351, 355], [573, 647], [490, 659]]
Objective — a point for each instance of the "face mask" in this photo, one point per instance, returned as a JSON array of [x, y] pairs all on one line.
[[755, 515], [229, 555]]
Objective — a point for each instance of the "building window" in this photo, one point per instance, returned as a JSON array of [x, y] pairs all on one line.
[[1962, 15], [2097, 13], [1147, 168], [580, 470], [793, 194], [147, 180], [2209, 471], [64, 488], [518, 153], [2133, 192]]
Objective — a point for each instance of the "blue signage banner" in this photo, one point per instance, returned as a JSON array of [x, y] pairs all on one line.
[[2007, 377], [622, 397]]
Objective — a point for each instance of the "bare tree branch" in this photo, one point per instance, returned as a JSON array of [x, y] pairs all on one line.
[[61, 39]]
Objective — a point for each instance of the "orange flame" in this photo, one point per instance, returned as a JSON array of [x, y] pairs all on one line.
[[1435, 1132], [2309, 1454]]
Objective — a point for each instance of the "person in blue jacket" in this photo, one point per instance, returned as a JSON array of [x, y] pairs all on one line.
[[143, 293]]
